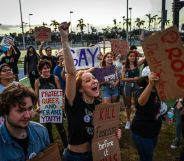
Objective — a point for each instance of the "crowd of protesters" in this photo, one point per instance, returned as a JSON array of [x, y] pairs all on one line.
[[22, 139]]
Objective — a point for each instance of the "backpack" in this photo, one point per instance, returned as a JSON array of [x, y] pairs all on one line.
[[47, 83]]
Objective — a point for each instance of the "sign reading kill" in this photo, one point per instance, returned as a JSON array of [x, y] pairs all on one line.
[[105, 145], [165, 56], [50, 105]]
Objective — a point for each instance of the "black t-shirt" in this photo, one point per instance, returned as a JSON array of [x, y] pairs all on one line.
[[12, 60], [79, 116], [147, 122], [23, 143]]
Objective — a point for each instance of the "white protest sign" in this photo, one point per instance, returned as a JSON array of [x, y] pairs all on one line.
[[50, 105], [6, 42], [85, 57]]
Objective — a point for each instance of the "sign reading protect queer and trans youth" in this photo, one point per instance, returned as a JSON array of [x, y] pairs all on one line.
[[165, 56], [106, 74], [85, 57], [105, 145], [50, 105], [42, 34]]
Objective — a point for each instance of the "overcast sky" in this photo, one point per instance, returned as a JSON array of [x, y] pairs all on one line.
[[97, 13]]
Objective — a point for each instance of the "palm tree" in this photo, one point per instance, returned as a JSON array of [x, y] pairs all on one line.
[[123, 21], [81, 25], [150, 20], [44, 24], [55, 24], [139, 23], [115, 22]]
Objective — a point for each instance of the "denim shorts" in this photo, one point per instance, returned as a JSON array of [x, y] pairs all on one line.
[[130, 88], [108, 92], [73, 156]]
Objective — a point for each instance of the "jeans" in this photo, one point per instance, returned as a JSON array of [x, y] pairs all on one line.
[[145, 147], [73, 156], [178, 123]]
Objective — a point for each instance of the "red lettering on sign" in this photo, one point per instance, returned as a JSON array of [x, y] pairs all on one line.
[[107, 113], [177, 65], [180, 82], [174, 52], [170, 37]]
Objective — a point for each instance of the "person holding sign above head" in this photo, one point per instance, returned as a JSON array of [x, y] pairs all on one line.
[[110, 91], [48, 56], [49, 81], [20, 138], [147, 121], [81, 96], [11, 58], [130, 76]]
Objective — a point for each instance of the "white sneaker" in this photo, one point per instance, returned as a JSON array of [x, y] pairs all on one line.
[[127, 126]]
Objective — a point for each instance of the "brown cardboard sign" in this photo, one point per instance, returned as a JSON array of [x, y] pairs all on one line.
[[50, 153], [105, 145], [165, 56], [106, 150], [106, 113], [102, 131], [119, 46], [42, 34]]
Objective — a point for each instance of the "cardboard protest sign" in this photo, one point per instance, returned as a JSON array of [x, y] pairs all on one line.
[[119, 46], [42, 34], [105, 145], [106, 150], [50, 105], [85, 57], [50, 153], [165, 56], [106, 74], [6, 43]]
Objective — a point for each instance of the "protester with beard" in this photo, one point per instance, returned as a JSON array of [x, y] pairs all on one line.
[[20, 138]]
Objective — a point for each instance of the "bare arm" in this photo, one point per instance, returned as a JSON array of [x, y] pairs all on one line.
[[144, 97], [57, 82], [69, 63], [41, 49]]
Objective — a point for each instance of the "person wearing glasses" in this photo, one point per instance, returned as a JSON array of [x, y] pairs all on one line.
[[6, 78], [48, 56], [20, 138]]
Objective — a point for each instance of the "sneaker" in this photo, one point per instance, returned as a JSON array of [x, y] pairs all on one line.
[[127, 126], [175, 143]]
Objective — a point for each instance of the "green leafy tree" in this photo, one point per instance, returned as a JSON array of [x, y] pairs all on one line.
[[55, 24], [81, 26]]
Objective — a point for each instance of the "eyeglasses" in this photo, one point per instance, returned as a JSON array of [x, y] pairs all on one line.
[[6, 70]]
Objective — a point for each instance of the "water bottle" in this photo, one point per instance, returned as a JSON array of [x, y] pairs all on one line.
[[170, 115]]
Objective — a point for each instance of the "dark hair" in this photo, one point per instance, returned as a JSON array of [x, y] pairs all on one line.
[[3, 65], [133, 47], [127, 62], [48, 47], [42, 63], [34, 51], [14, 94]]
